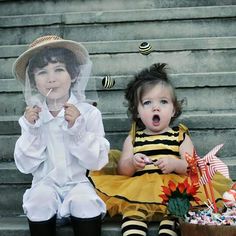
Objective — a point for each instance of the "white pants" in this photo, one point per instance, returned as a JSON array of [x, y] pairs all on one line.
[[43, 201]]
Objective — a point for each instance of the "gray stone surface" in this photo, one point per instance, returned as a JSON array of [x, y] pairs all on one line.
[[196, 38], [17, 226], [61, 6]]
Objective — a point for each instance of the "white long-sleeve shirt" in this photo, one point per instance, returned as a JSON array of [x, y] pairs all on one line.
[[56, 154]]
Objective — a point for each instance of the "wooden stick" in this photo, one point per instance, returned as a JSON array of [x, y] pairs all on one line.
[[211, 190], [49, 92], [204, 186]]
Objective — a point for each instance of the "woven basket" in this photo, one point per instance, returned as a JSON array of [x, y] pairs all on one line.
[[188, 229]]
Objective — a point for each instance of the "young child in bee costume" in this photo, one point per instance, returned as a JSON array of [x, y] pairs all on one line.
[[62, 138], [153, 153]]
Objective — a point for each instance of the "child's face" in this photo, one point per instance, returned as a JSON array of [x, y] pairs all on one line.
[[156, 109], [53, 76]]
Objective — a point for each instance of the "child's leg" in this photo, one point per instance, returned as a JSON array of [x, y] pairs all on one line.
[[168, 227], [40, 205], [85, 208], [131, 227], [82, 201]]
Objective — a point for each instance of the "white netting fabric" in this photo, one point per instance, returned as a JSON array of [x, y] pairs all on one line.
[[35, 95]]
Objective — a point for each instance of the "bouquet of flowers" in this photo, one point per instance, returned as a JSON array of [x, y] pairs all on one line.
[[177, 197]]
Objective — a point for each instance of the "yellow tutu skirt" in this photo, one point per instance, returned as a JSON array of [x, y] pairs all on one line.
[[139, 196]]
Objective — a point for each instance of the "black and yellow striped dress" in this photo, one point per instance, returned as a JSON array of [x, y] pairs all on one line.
[[158, 146], [138, 196]]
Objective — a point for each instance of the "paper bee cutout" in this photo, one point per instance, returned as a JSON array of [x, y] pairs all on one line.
[[108, 82], [145, 48]]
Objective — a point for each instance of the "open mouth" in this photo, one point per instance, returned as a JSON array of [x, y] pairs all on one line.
[[156, 119]]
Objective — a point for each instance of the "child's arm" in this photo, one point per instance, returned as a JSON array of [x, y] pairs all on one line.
[[179, 166], [130, 163], [30, 148], [87, 140], [71, 114], [32, 114]]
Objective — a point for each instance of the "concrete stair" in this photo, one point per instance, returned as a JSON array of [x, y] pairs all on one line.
[[11, 226], [38, 7], [196, 38]]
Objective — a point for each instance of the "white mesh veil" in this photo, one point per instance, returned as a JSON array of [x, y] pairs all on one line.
[[79, 87], [80, 75], [31, 94]]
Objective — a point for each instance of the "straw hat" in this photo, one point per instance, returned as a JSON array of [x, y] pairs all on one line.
[[52, 41]]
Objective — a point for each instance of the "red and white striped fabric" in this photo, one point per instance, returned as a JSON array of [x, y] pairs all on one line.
[[212, 163], [200, 162]]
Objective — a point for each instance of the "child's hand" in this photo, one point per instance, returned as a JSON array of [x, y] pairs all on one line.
[[166, 165], [32, 114], [139, 161], [71, 114]]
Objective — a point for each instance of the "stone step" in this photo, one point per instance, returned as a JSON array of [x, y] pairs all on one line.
[[13, 184], [60, 6], [11, 176], [192, 88], [18, 226], [118, 16], [206, 132], [203, 140], [179, 80], [195, 120], [132, 46], [128, 63], [199, 46], [122, 25]]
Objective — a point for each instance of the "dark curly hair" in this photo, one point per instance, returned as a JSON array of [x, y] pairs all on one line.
[[53, 55], [145, 80]]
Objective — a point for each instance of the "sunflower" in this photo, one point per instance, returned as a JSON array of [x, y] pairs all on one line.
[[177, 197]]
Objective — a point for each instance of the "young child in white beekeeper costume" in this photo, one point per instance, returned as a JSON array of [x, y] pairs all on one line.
[[62, 138]]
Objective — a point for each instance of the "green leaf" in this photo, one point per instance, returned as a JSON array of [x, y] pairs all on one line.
[[178, 206]]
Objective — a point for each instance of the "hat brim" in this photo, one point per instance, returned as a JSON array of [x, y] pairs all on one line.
[[19, 67]]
